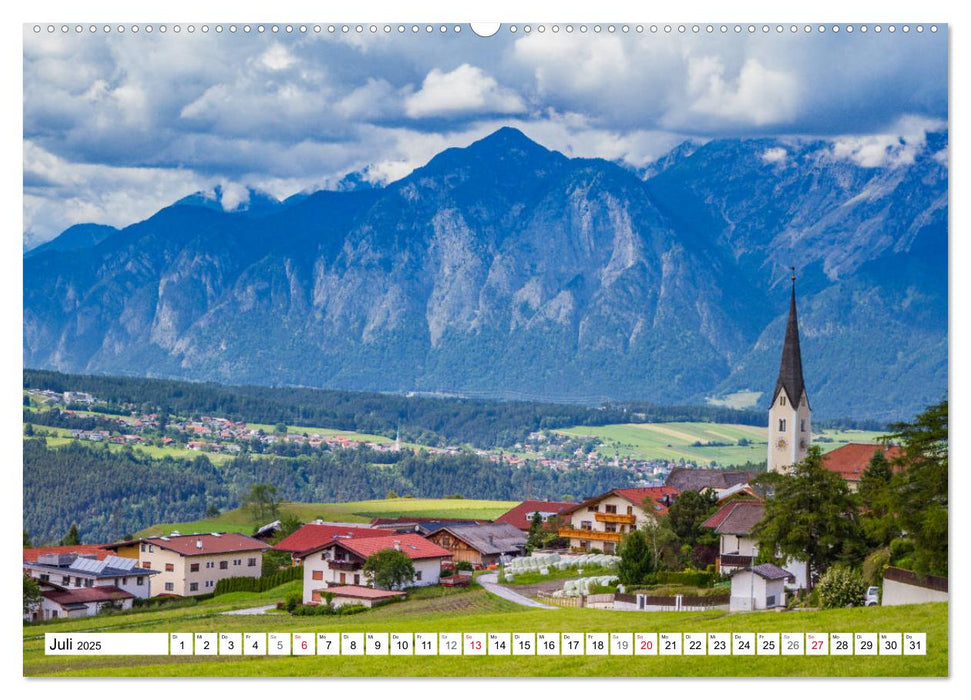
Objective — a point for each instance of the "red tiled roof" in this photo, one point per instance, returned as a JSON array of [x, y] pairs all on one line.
[[96, 594], [361, 592], [520, 515], [313, 536], [736, 518], [223, 543], [98, 550], [850, 461], [415, 546], [655, 493]]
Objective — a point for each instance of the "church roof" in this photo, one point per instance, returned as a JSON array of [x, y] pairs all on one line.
[[790, 369]]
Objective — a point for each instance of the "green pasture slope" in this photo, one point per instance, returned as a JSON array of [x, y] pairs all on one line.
[[474, 610], [240, 520], [718, 441]]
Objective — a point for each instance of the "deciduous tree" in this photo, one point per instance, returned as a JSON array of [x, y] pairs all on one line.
[[389, 569]]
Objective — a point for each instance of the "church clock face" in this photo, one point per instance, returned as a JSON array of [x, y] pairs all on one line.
[[782, 444]]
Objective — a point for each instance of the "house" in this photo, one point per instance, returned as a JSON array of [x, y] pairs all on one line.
[[760, 587], [851, 460], [684, 479], [735, 523], [421, 526], [355, 595], [193, 564], [481, 545], [57, 602], [97, 551], [68, 572], [340, 562], [312, 536], [602, 521], [522, 515]]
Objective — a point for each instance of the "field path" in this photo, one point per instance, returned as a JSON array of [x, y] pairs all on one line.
[[250, 611], [490, 583]]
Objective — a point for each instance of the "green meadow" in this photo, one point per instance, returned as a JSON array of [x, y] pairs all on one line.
[[240, 520], [702, 443], [474, 610]]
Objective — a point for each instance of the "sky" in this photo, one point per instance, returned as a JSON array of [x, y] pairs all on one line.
[[119, 125]]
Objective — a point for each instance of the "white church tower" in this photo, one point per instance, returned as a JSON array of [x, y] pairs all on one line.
[[790, 432]]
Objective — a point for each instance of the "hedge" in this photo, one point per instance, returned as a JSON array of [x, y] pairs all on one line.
[[699, 579], [252, 584]]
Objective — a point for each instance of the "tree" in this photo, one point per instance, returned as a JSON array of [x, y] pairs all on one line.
[[636, 560], [262, 502], [72, 537], [389, 569], [289, 524], [663, 543], [212, 511], [689, 510], [841, 587], [32, 596], [27, 542], [876, 498], [534, 540], [920, 488], [810, 516]]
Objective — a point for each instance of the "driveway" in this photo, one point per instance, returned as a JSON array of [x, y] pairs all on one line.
[[490, 583], [250, 611]]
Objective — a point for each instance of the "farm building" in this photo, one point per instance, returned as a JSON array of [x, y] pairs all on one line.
[[481, 545]]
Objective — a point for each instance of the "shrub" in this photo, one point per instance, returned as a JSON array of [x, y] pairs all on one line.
[[251, 584], [699, 579], [874, 566], [841, 587], [464, 566]]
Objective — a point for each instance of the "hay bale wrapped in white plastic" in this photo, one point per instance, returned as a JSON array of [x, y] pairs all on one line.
[[510, 577]]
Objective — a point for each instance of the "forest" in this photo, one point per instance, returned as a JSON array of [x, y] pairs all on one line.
[[109, 495]]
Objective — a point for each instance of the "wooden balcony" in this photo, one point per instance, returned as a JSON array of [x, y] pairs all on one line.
[[343, 565], [590, 535], [737, 561], [615, 518]]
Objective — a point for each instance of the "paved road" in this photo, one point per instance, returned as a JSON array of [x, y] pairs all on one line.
[[250, 611], [490, 583]]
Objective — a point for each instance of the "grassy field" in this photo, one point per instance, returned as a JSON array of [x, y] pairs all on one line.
[[240, 520], [718, 441], [474, 610]]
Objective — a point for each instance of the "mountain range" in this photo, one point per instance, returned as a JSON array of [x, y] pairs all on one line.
[[508, 270]]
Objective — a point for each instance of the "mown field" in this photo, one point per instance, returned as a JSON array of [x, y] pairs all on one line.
[[474, 610], [718, 441], [241, 520]]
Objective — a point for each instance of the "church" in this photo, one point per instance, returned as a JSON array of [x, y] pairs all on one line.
[[790, 430]]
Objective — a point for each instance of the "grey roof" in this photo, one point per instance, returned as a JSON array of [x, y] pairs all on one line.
[[498, 538], [743, 518], [685, 479], [770, 572], [790, 369], [110, 567]]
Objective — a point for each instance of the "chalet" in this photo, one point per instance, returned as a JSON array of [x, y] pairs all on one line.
[[193, 564], [72, 571], [851, 460], [340, 562], [684, 479], [57, 602], [313, 536], [522, 515], [481, 545], [602, 521], [735, 523]]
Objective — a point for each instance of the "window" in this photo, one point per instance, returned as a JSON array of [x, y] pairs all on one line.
[[209, 584], [210, 564], [193, 587], [146, 565], [88, 582], [139, 580], [782, 399], [170, 586], [610, 509], [630, 510], [66, 581], [251, 561], [584, 544], [357, 579], [317, 575], [237, 562], [586, 524], [418, 575], [224, 564], [143, 546], [802, 425], [53, 613], [124, 581], [782, 425], [151, 548], [170, 567], [592, 509], [194, 567], [610, 527], [45, 577]]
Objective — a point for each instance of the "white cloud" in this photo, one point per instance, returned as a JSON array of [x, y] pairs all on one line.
[[896, 147], [757, 96], [775, 155], [234, 196], [277, 57], [467, 89]]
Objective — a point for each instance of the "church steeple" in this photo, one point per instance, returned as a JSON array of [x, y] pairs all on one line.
[[790, 369], [790, 432]]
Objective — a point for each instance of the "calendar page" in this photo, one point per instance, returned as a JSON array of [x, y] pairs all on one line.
[[525, 349]]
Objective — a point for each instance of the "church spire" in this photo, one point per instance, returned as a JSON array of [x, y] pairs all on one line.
[[790, 369]]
